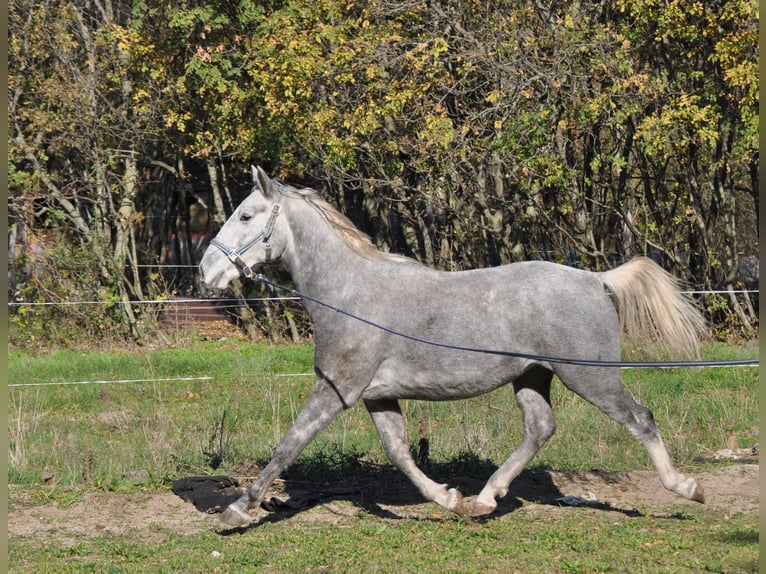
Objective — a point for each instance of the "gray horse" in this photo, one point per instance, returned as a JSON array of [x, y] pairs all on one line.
[[535, 308]]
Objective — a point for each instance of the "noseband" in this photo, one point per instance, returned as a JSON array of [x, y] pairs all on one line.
[[235, 255]]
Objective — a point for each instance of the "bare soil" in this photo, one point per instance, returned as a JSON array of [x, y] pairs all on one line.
[[71, 516]]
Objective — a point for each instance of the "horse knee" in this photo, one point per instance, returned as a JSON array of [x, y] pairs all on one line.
[[539, 424], [544, 429], [549, 428], [539, 428]]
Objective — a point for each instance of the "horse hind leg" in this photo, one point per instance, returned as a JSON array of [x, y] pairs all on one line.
[[671, 479], [611, 397], [641, 424], [533, 396], [388, 420]]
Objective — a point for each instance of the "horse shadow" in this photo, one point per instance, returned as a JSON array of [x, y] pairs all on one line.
[[382, 491]]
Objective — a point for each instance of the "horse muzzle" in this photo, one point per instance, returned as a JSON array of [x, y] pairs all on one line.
[[216, 272]]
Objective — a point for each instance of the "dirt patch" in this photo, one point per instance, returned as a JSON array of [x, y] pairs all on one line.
[[99, 514], [729, 490], [72, 516]]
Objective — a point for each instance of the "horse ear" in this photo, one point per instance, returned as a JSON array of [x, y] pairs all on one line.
[[261, 180]]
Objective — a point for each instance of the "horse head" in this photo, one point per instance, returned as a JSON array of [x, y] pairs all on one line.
[[247, 241]]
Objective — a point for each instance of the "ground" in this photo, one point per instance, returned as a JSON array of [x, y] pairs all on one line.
[[69, 517]]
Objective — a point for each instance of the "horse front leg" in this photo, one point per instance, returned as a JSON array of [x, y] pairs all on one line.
[[322, 406], [388, 419]]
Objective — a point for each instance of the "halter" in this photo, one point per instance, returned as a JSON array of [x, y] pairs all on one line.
[[235, 255]]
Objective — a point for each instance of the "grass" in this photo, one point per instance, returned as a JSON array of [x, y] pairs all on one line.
[[569, 541], [67, 440], [167, 428], [160, 427]]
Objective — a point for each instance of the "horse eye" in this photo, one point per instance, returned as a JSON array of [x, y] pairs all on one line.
[[245, 217]]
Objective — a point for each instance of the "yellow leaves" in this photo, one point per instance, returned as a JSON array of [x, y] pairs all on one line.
[[425, 56], [736, 51], [493, 97], [683, 122], [439, 46], [202, 54], [174, 119], [439, 130], [371, 72], [744, 75], [638, 83]]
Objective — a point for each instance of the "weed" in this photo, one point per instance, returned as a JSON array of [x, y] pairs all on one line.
[[217, 450], [63, 497]]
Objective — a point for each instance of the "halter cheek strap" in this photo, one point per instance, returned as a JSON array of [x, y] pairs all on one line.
[[235, 255]]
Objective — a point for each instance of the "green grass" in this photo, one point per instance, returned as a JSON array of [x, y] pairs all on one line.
[[571, 541], [168, 428], [160, 427], [137, 437]]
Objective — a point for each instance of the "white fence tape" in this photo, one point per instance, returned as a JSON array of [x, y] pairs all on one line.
[[163, 380], [254, 299]]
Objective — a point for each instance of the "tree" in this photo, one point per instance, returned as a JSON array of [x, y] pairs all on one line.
[[460, 132], [75, 131]]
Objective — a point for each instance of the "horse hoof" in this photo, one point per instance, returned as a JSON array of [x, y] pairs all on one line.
[[480, 509], [234, 516], [699, 495], [455, 501]]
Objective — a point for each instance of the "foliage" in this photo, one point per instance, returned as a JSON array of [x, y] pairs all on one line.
[[65, 272], [465, 134]]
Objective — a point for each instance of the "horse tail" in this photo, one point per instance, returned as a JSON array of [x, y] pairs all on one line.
[[652, 308]]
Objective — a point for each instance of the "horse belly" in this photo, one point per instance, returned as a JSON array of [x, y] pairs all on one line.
[[403, 380]]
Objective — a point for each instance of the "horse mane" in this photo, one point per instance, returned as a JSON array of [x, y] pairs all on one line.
[[356, 240]]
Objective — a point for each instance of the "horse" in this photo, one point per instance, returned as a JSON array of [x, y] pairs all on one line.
[[539, 309]]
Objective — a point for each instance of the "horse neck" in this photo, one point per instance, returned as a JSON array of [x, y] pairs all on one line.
[[320, 261]]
